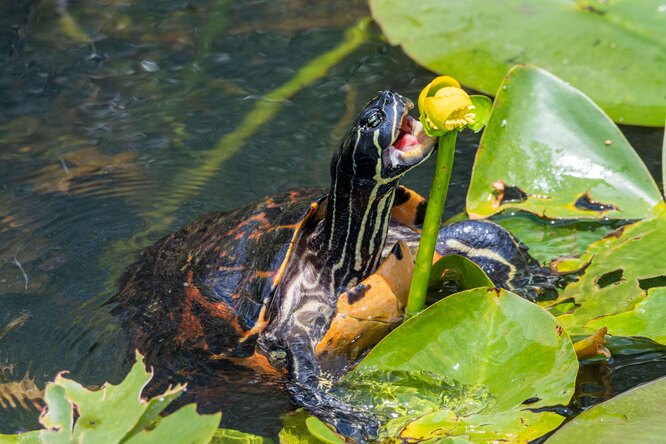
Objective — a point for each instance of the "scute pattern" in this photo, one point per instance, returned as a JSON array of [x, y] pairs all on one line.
[[204, 287]]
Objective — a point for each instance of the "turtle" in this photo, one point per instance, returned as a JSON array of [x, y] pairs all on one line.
[[300, 284]]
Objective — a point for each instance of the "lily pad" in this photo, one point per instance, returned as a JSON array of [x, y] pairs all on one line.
[[501, 357], [551, 151], [300, 428], [647, 318], [548, 239], [229, 436], [592, 44], [458, 268], [116, 413], [635, 416], [613, 290]]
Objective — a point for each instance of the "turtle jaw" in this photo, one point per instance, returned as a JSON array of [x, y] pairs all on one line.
[[410, 147]]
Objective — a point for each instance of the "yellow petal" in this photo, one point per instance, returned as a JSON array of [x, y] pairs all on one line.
[[449, 109], [433, 87]]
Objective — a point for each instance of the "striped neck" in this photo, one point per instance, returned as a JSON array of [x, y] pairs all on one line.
[[354, 229]]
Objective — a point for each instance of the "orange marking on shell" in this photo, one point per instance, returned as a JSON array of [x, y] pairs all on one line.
[[223, 311], [260, 219], [259, 325], [264, 274], [270, 203], [284, 227], [257, 362], [187, 262], [407, 212], [191, 325], [361, 323], [190, 328]]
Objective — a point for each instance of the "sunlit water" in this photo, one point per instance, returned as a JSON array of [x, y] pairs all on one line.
[[93, 135]]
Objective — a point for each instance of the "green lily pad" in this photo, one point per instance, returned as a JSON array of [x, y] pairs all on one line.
[[549, 239], [465, 272], [115, 414], [591, 44], [550, 151], [491, 360], [647, 318], [626, 346], [230, 436], [635, 416], [624, 267], [301, 428]]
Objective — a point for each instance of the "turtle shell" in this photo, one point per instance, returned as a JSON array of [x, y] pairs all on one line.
[[206, 286]]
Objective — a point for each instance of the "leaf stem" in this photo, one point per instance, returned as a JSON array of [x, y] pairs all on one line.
[[431, 224]]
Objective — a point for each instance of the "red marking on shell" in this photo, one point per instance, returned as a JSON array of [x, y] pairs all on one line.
[[190, 328], [265, 274], [251, 224], [270, 203], [284, 227]]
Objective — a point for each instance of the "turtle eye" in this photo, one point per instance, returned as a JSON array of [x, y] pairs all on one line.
[[372, 119]]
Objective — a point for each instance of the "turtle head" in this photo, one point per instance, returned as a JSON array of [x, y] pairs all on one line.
[[384, 142]]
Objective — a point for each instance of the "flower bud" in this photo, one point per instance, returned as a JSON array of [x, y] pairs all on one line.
[[445, 106]]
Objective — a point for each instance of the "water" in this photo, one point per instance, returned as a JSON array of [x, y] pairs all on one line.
[[94, 135]]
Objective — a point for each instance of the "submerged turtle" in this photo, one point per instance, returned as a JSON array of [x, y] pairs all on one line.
[[293, 284]]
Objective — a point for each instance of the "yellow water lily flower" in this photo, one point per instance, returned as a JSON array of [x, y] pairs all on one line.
[[445, 106]]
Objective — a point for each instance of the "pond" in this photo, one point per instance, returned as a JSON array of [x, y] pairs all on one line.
[[103, 144]]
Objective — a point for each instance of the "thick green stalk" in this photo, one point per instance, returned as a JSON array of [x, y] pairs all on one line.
[[431, 224]]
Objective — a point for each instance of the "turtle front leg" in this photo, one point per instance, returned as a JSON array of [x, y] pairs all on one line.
[[304, 384]]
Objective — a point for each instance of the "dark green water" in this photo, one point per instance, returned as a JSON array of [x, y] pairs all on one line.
[[93, 135]]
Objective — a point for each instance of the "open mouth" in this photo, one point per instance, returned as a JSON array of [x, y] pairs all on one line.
[[411, 146]]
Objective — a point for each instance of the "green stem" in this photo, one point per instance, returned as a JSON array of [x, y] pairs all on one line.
[[431, 224]]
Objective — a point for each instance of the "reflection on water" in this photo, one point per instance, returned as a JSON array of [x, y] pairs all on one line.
[[104, 102]]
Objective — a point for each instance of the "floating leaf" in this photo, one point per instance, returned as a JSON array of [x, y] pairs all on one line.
[[296, 431], [579, 163], [484, 341], [183, 426], [322, 431], [465, 272], [635, 416], [116, 413], [229, 436], [548, 240], [624, 267], [647, 318], [593, 45], [59, 418]]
